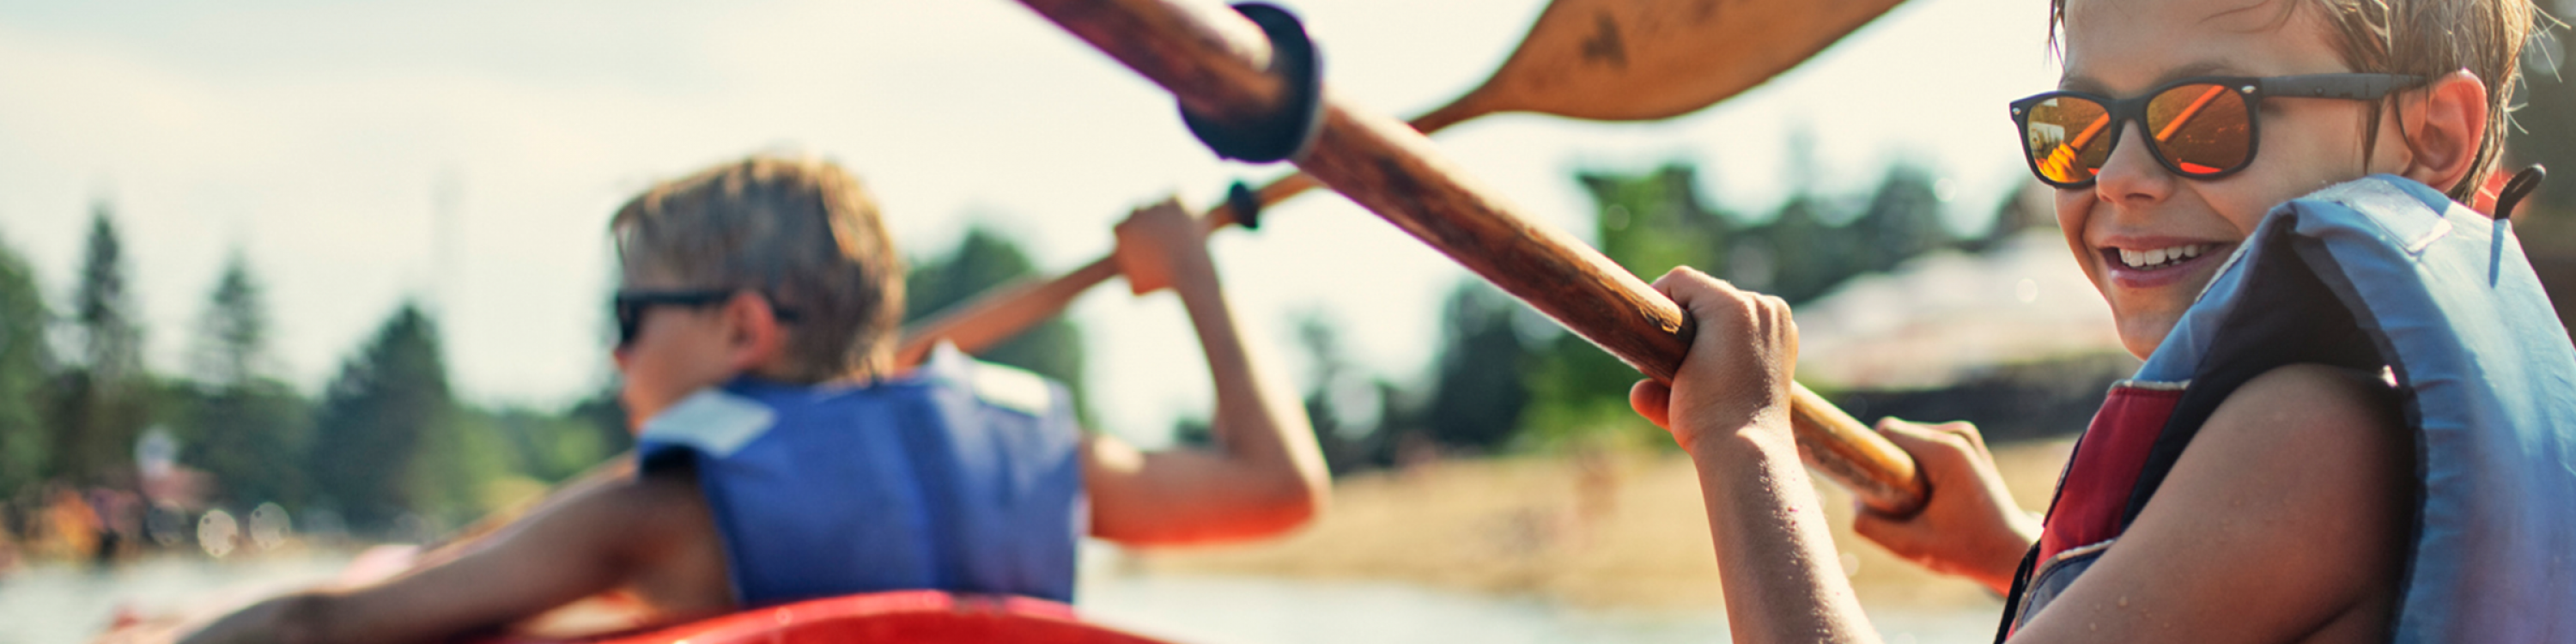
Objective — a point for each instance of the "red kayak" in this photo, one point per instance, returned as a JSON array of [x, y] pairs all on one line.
[[901, 617]]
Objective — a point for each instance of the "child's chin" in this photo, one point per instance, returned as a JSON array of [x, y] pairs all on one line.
[[2141, 332]]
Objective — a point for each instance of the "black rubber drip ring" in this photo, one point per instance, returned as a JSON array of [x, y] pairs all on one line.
[[1282, 134], [1246, 204]]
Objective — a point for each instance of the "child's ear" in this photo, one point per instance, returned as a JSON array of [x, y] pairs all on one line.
[[753, 333], [2444, 129]]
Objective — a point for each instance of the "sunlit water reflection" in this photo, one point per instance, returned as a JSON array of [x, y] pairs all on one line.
[[58, 604]]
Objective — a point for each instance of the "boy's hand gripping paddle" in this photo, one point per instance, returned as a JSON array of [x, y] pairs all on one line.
[[1213, 61], [1603, 60]]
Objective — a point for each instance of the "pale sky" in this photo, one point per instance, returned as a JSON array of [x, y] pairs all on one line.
[[313, 136]]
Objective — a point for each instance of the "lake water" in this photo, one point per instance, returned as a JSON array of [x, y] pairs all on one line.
[[56, 604]]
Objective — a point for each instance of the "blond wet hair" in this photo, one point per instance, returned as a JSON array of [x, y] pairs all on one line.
[[799, 230]]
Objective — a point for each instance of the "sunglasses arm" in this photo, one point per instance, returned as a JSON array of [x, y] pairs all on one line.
[[2345, 86]]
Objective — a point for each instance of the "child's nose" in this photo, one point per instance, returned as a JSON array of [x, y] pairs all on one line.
[[2131, 174]]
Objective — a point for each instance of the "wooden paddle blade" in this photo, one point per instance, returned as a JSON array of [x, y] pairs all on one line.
[[1631, 60]]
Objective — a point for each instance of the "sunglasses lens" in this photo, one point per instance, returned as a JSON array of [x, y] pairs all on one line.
[[2068, 138], [630, 319], [2202, 128]]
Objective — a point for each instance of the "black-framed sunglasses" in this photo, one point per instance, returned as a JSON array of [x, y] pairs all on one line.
[[2201, 127], [632, 305]]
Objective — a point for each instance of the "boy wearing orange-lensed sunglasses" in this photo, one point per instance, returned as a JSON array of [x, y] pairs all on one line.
[[2331, 440]]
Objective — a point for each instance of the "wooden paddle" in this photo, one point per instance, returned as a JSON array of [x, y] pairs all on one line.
[[1607, 60], [1211, 59]]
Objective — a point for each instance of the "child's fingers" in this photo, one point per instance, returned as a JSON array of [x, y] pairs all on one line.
[[1687, 286], [1654, 401], [1954, 442], [1147, 239], [1719, 307], [1952, 455], [1169, 209]]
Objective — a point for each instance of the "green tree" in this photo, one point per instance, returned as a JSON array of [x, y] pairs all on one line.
[[1808, 257], [25, 450], [102, 404], [1477, 392], [386, 405], [986, 258], [462, 455], [603, 417], [1648, 223], [1653, 222], [1903, 220], [1349, 410], [245, 427], [550, 447]]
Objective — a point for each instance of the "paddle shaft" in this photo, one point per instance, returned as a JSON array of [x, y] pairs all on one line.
[[1211, 60], [1004, 311]]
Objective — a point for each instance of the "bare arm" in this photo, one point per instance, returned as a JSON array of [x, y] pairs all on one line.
[[2285, 520], [1728, 405], [581, 546], [1265, 474]]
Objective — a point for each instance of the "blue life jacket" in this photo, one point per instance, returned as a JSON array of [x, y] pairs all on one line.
[[960, 476], [2387, 271]]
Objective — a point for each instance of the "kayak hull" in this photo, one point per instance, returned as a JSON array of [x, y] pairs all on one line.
[[907, 617]]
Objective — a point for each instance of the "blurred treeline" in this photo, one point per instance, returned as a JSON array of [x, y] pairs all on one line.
[[384, 449], [1507, 379]]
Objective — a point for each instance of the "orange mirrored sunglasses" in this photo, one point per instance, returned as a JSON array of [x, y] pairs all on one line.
[[2201, 127]]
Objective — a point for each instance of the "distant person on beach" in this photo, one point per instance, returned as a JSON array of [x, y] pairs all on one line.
[[785, 456], [2375, 461]]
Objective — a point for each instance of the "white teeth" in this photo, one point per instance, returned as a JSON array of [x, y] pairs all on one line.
[[2159, 256]]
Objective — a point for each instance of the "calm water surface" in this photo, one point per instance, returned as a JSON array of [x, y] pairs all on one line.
[[55, 604]]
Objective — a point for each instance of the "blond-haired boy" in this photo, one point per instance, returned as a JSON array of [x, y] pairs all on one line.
[[785, 456], [2310, 501]]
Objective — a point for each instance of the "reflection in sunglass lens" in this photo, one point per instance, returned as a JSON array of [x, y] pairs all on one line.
[[2200, 128], [2068, 138]]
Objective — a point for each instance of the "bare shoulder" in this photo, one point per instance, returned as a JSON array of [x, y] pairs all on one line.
[[2311, 401], [660, 502], [2285, 519]]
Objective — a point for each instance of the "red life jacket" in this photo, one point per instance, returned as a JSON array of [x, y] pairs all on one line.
[[2093, 493]]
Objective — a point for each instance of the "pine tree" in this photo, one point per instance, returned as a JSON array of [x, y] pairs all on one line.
[[1477, 399], [246, 428], [26, 452], [101, 406], [376, 417]]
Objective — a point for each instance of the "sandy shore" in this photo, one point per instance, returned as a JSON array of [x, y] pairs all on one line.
[[1610, 532]]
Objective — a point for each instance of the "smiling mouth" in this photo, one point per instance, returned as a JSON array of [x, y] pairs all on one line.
[[2156, 259]]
